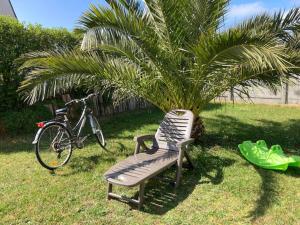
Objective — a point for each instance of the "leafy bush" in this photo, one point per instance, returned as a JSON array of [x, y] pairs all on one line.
[[23, 121], [16, 39]]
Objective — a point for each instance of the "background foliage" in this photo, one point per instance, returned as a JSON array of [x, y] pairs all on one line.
[[24, 120], [16, 39]]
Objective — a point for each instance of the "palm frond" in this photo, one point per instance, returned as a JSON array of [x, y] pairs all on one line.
[[171, 53], [283, 24]]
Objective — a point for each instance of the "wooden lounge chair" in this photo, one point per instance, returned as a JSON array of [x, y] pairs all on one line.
[[169, 147]]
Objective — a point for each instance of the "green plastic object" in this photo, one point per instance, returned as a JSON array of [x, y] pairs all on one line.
[[274, 158]]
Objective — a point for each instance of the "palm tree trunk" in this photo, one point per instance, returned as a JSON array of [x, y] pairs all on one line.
[[198, 128]]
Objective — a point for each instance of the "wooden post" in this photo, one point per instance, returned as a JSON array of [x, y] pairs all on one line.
[[96, 106], [286, 101], [52, 108], [285, 93], [231, 95]]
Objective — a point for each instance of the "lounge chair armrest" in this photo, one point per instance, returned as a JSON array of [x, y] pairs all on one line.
[[140, 142], [186, 142], [141, 139]]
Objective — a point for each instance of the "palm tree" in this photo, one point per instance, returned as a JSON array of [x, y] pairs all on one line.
[[173, 53]]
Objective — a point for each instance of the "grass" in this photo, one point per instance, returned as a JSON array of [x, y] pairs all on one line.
[[223, 189]]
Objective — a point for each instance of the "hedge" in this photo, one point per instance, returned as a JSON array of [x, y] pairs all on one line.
[[16, 39]]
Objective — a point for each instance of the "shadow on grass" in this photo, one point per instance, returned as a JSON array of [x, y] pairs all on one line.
[[268, 194], [228, 132], [17, 144], [84, 164], [160, 194], [293, 172], [268, 190]]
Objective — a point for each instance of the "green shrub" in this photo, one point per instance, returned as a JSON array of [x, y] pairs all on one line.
[[24, 121], [16, 39]]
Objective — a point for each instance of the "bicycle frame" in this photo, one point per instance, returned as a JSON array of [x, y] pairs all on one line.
[[80, 124], [77, 129]]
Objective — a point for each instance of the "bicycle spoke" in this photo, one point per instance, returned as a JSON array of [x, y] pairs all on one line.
[[54, 147]]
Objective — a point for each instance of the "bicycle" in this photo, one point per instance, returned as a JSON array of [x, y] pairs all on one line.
[[55, 140]]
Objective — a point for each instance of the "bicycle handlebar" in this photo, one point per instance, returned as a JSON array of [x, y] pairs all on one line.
[[76, 101]]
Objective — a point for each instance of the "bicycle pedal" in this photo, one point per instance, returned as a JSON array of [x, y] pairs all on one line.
[[80, 145]]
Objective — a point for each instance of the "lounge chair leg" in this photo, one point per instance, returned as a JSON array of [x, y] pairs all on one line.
[[141, 195], [178, 176], [109, 190], [188, 158], [179, 167]]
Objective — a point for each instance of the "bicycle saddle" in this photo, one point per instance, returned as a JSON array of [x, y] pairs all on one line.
[[62, 111]]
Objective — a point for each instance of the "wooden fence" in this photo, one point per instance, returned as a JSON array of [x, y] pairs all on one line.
[[102, 109]]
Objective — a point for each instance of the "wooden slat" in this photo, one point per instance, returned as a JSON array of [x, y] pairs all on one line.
[[175, 123], [170, 139], [173, 131], [171, 135], [125, 172], [176, 119], [177, 128]]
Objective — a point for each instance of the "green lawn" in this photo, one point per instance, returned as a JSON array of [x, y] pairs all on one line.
[[223, 189]]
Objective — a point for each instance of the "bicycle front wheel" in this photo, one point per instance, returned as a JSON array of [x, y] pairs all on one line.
[[98, 132], [54, 146]]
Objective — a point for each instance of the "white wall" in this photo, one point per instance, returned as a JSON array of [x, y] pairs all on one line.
[[294, 93], [263, 95], [6, 8]]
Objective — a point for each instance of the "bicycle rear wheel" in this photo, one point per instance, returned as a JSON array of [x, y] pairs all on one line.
[[54, 146], [98, 132]]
